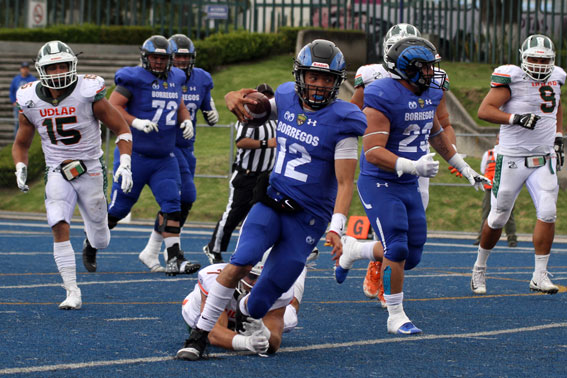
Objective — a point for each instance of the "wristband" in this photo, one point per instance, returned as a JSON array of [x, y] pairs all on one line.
[[338, 222], [511, 120], [559, 134], [239, 342], [458, 162], [263, 144], [126, 137]]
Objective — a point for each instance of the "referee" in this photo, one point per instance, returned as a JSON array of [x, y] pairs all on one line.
[[255, 156]]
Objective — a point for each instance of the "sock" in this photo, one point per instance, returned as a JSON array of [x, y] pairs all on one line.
[[242, 304], [299, 286], [170, 241], [217, 300], [541, 263], [367, 251], [482, 257], [154, 242], [394, 300], [173, 245], [65, 261]]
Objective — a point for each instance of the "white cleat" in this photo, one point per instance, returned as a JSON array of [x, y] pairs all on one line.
[[349, 246], [478, 280], [150, 259], [73, 300], [541, 282]]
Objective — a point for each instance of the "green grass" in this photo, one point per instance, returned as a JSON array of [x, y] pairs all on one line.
[[450, 208]]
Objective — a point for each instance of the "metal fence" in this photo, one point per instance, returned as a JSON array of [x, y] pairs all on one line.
[[464, 30]]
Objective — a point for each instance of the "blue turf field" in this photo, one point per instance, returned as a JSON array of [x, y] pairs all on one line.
[[131, 325]]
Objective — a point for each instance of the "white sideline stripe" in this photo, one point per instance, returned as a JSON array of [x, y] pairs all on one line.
[[402, 339], [491, 274], [131, 319], [99, 283]]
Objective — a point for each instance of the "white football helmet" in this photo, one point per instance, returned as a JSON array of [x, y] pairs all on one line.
[[396, 33], [247, 283], [56, 52], [538, 46]]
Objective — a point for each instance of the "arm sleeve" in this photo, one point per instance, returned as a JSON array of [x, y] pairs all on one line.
[[347, 148]]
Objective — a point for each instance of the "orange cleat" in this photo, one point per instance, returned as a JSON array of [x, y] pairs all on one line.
[[373, 286]]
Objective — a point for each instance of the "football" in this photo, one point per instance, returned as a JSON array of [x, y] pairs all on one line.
[[261, 111]]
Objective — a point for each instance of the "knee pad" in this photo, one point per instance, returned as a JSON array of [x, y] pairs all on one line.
[[112, 221], [414, 257], [500, 213], [546, 209], [185, 209], [164, 227], [397, 251]]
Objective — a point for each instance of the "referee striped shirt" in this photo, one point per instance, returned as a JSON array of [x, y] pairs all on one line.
[[259, 159]]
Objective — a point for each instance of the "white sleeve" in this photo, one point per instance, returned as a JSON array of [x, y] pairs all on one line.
[[274, 111], [347, 149], [483, 162]]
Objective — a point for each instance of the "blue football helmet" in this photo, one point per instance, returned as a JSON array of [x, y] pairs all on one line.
[[156, 45], [320, 56], [409, 56], [182, 46]]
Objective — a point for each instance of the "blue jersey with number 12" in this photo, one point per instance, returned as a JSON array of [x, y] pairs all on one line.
[[305, 164]]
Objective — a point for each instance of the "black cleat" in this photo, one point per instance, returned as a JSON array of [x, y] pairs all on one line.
[[195, 346], [89, 256], [173, 265], [214, 257]]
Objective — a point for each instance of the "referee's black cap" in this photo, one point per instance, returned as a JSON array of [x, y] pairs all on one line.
[[265, 89]]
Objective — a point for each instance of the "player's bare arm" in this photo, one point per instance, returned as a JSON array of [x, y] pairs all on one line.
[[183, 113], [23, 141], [440, 141], [442, 115], [112, 118], [559, 118], [489, 109], [375, 138], [274, 320], [358, 97], [344, 172], [235, 102], [120, 101]]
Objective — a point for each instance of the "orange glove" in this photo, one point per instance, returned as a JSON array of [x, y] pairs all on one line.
[[455, 171]]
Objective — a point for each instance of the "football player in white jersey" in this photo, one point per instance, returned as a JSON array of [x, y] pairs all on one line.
[[372, 285], [259, 336], [526, 102], [66, 108]]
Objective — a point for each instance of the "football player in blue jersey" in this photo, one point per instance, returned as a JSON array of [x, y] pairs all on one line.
[[196, 92], [400, 115], [149, 97], [311, 184]]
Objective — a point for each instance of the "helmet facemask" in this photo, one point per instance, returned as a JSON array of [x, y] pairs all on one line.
[[56, 52], [159, 46], [540, 47], [187, 64], [316, 97], [182, 47]]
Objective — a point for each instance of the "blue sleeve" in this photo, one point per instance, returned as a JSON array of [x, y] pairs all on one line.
[[13, 90], [377, 98], [208, 84], [124, 79]]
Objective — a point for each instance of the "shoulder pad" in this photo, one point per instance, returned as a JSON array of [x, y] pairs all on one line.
[[353, 119], [504, 75], [126, 76], [367, 74], [206, 77], [92, 87], [560, 74], [25, 93]]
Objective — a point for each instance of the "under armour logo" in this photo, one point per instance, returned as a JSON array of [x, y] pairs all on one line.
[[312, 122], [381, 184]]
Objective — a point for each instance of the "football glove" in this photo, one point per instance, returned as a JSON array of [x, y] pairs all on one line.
[[145, 125], [211, 116], [527, 120], [475, 179], [124, 171], [187, 127], [559, 150], [256, 342], [425, 166], [22, 176], [252, 326]]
